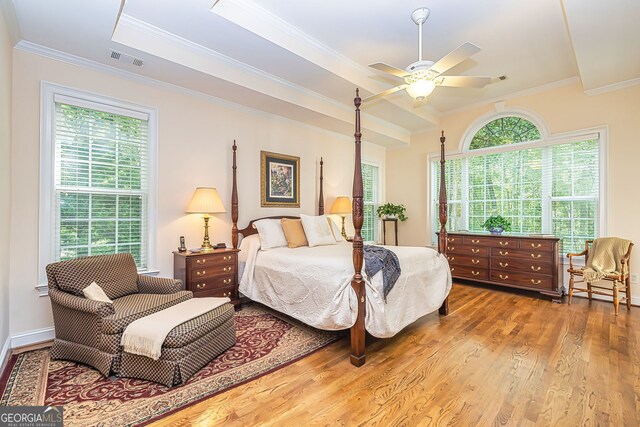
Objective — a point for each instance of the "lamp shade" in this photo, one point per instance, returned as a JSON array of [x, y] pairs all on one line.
[[342, 205], [205, 200]]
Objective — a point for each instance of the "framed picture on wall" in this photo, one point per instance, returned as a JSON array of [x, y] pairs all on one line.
[[279, 180]]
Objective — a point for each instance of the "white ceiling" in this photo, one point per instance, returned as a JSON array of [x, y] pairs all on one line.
[[304, 59]]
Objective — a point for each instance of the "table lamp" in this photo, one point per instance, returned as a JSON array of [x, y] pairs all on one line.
[[342, 207], [205, 201]]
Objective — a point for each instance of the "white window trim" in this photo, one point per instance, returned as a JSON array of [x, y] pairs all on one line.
[[378, 230], [599, 132], [46, 248]]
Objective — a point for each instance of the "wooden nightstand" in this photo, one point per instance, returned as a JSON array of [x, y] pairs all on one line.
[[209, 274]]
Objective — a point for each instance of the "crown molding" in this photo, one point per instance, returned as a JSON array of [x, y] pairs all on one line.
[[615, 86], [9, 12], [67, 58], [155, 41], [263, 23]]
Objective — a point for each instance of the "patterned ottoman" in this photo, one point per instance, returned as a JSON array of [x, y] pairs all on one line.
[[187, 348]]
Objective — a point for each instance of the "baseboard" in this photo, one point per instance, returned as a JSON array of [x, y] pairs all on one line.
[[32, 337], [4, 354]]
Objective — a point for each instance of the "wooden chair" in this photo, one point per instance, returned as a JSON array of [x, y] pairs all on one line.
[[623, 278]]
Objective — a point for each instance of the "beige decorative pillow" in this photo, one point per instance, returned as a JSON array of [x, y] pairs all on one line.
[[317, 230], [94, 292], [294, 232]]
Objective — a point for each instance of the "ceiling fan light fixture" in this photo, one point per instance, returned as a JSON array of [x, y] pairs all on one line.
[[420, 89]]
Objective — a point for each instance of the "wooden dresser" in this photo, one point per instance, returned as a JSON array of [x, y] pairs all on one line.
[[209, 274], [514, 261]]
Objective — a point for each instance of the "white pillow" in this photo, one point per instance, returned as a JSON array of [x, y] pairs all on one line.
[[94, 292], [271, 233], [336, 224], [317, 230]]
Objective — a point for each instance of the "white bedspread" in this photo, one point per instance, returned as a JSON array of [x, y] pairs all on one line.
[[313, 285]]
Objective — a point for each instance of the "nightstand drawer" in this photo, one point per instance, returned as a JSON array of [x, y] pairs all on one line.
[[211, 260], [211, 283], [211, 271], [227, 291]]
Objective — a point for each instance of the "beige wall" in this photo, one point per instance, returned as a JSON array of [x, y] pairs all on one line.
[[194, 146], [563, 109], [6, 60]]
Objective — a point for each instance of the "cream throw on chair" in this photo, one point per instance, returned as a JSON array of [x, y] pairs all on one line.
[[604, 258]]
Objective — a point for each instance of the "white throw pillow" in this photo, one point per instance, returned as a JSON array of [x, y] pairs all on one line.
[[336, 227], [271, 233], [317, 230], [94, 292]]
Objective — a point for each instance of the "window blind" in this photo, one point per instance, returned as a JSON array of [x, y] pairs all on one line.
[[545, 189], [101, 181], [370, 201]]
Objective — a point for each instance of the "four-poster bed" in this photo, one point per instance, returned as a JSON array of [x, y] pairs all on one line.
[[423, 289]]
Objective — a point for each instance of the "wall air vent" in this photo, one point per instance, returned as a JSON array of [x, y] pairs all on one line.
[[128, 59]]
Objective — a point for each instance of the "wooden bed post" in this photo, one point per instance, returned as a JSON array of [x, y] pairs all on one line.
[[321, 197], [442, 237], [358, 332], [234, 202]]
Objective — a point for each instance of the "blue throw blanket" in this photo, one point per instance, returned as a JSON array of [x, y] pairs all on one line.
[[377, 258]]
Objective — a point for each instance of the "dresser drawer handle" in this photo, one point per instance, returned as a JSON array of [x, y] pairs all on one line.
[[505, 277], [504, 253], [226, 258], [452, 269], [451, 239], [536, 245], [506, 264], [201, 261], [226, 294], [475, 241], [536, 282], [226, 281], [201, 285], [475, 273], [475, 261], [450, 248], [475, 251], [451, 258], [201, 273], [535, 268], [503, 243], [226, 269], [535, 256]]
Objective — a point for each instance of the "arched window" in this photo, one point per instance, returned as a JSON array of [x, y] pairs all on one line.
[[511, 168], [503, 131]]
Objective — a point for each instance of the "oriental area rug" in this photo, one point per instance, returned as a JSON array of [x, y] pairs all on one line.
[[266, 341]]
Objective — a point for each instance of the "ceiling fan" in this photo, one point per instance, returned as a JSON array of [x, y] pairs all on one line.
[[422, 77]]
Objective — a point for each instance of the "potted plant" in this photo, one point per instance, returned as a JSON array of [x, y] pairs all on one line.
[[496, 224], [389, 210]]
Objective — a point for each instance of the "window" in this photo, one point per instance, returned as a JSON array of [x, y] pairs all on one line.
[[370, 178], [96, 184], [542, 187]]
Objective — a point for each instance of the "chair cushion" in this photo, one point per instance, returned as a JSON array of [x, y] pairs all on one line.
[[116, 274], [134, 306]]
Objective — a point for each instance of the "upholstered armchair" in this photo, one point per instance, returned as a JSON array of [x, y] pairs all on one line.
[[89, 331]]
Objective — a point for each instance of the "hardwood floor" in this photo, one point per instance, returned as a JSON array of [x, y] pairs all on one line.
[[499, 358]]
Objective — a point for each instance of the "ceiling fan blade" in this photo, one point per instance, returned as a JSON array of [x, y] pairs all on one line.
[[381, 66], [455, 57], [385, 93], [464, 81]]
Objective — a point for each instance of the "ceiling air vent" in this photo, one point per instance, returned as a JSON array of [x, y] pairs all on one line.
[[128, 59]]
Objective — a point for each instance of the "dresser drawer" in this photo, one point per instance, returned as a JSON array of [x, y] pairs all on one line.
[[454, 239], [212, 271], [470, 261], [467, 250], [226, 291], [523, 265], [211, 261], [468, 272], [537, 281], [538, 245], [502, 253]]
